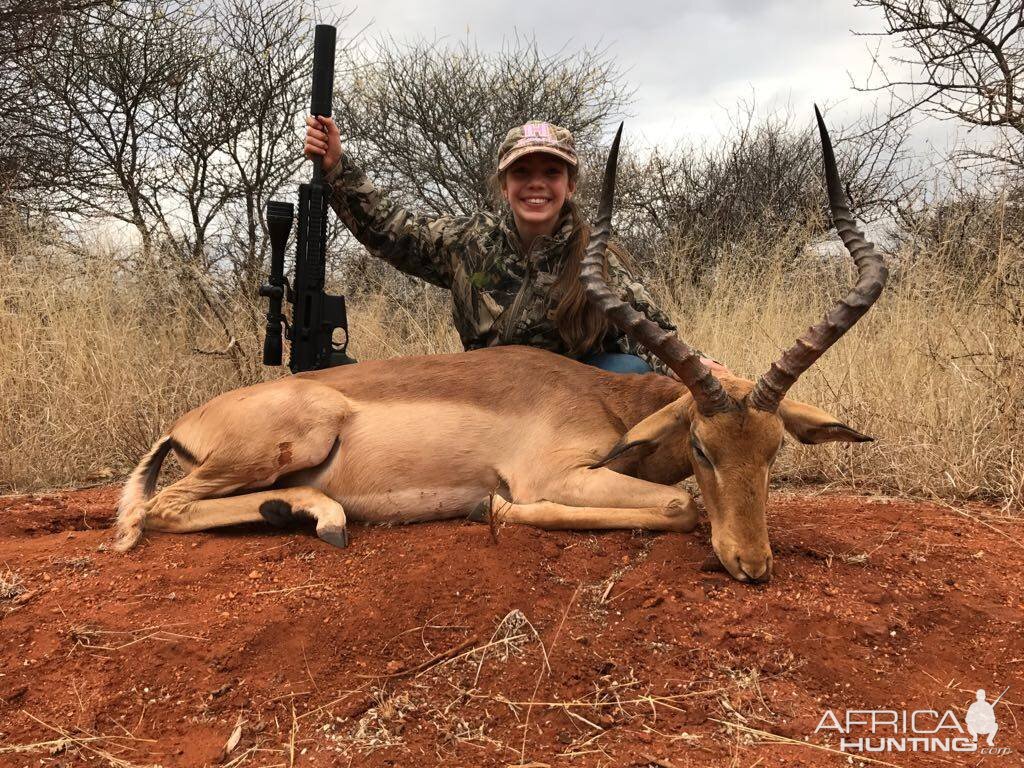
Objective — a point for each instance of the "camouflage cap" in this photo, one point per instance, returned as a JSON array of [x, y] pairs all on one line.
[[536, 137]]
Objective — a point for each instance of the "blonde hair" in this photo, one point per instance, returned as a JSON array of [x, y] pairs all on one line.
[[581, 325]]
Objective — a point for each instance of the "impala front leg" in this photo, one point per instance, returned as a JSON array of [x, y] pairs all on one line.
[[599, 499], [607, 488], [552, 516]]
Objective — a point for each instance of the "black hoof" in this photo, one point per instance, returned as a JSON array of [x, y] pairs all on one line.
[[482, 512], [334, 535], [277, 512]]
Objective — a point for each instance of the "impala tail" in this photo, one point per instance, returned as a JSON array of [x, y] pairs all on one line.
[[137, 491]]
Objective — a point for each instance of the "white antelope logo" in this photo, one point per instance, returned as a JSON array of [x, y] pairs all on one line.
[[528, 435]]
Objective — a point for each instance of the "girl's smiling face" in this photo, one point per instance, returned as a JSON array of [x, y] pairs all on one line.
[[536, 187]]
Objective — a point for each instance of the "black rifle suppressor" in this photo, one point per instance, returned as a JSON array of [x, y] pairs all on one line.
[[315, 314]]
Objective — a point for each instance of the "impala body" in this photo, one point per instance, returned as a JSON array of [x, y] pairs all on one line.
[[513, 433]]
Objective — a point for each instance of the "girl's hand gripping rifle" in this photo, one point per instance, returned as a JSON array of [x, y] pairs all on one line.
[[315, 314]]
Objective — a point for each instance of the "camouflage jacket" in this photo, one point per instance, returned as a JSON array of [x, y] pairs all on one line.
[[500, 293]]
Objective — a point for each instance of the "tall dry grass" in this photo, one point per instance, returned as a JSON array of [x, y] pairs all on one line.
[[935, 371], [93, 366], [101, 355], [98, 361]]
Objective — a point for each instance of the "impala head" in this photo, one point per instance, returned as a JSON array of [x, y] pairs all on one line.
[[732, 429]]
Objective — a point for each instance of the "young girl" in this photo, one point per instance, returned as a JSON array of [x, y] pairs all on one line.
[[514, 279]]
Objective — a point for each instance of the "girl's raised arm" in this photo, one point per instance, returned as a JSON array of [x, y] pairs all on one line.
[[416, 243]]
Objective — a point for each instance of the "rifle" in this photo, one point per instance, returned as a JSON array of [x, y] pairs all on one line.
[[315, 314]]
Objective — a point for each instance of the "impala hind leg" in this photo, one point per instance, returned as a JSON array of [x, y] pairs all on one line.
[[235, 459], [551, 515], [271, 505]]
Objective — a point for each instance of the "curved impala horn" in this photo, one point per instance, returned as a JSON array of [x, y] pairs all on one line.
[[706, 390], [871, 277]]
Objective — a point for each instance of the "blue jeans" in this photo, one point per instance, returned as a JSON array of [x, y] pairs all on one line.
[[617, 362]]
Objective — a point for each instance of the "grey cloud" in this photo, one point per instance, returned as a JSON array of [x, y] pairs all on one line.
[[690, 61]]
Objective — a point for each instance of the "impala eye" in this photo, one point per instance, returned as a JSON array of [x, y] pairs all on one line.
[[703, 457]]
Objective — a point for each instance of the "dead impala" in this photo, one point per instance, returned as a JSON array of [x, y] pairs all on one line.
[[515, 432]]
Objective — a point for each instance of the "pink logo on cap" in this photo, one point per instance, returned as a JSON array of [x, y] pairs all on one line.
[[537, 131]]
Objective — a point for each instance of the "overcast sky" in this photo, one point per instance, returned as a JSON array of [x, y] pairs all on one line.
[[690, 61]]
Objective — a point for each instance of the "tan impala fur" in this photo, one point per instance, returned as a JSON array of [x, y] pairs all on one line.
[[429, 438], [510, 432]]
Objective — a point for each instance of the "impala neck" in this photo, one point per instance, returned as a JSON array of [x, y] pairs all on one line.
[[633, 398]]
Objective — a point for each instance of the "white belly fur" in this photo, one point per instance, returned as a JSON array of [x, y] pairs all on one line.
[[412, 505]]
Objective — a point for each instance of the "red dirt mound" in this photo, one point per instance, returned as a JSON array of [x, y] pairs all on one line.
[[435, 644]]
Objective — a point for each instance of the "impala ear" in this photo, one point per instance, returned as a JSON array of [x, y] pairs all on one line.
[[811, 425], [645, 437]]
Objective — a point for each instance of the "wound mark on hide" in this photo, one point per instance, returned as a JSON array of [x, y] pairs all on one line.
[[284, 454], [277, 512]]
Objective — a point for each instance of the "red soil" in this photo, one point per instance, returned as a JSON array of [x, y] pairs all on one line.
[[365, 656]]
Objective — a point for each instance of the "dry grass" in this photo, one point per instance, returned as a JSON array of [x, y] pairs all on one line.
[[80, 746], [97, 639], [97, 361], [10, 584], [935, 372], [93, 367]]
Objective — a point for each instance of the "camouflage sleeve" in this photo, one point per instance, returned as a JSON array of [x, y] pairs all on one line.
[[415, 243], [628, 288]]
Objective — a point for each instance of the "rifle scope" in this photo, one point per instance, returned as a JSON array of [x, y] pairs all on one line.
[[279, 224]]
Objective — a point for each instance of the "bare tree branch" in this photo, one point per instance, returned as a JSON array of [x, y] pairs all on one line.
[[430, 117], [964, 60]]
